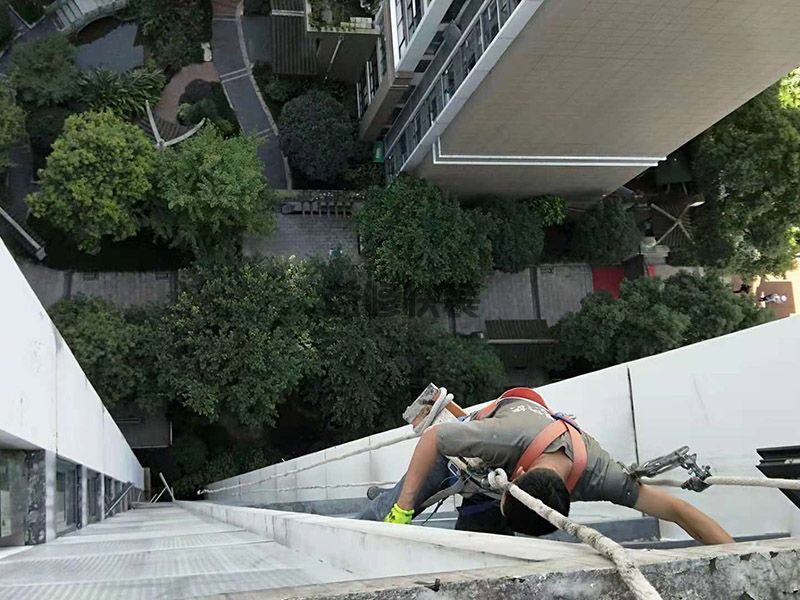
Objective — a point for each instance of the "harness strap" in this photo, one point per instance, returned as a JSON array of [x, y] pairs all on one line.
[[546, 437]]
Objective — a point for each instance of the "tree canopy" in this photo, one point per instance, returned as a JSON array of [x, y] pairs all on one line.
[[517, 230], [651, 316], [317, 136], [606, 234], [261, 360], [418, 239], [748, 168], [240, 339], [43, 71], [211, 190], [102, 342], [12, 121], [97, 179]]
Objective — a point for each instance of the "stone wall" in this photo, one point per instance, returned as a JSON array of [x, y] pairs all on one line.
[[36, 515]]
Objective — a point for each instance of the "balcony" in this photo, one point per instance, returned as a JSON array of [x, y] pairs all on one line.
[[486, 36]]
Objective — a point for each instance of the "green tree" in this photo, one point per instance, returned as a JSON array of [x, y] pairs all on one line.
[[606, 234], [710, 306], [122, 93], [362, 375], [43, 71], [102, 342], [12, 122], [651, 316], [97, 180], [467, 367], [212, 190], [517, 231], [239, 339], [748, 169], [422, 241], [317, 136], [174, 30]]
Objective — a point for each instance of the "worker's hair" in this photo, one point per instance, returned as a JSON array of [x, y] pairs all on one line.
[[547, 486]]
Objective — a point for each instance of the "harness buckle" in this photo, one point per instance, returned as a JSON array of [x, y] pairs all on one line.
[[560, 416]]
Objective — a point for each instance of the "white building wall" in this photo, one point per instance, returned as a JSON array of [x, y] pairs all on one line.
[[724, 398], [46, 401]]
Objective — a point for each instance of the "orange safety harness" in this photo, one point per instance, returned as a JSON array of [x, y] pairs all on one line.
[[561, 424]]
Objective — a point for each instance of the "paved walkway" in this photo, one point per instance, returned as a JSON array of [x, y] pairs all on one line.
[[234, 68], [167, 107]]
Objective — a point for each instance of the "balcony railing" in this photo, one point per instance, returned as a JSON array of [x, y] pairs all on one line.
[[478, 35]]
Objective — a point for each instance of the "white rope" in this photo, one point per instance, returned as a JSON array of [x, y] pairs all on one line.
[[783, 484], [391, 442], [336, 485], [630, 574]]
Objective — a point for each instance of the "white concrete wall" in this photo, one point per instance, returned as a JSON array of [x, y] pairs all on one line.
[[724, 398], [46, 401]]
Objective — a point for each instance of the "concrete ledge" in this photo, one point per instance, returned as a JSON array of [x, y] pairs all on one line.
[[752, 570], [380, 550]]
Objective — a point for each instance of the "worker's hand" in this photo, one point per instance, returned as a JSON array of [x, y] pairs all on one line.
[[399, 515]]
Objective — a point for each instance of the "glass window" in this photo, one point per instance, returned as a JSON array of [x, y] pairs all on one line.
[[433, 104], [489, 23], [382, 54], [5, 499], [505, 10], [66, 496], [470, 51], [448, 83]]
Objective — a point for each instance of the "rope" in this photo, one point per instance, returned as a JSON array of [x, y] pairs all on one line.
[[630, 574], [391, 442], [783, 484], [336, 485]]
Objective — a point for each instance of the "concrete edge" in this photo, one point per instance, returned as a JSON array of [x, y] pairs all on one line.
[[764, 569], [381, 550]]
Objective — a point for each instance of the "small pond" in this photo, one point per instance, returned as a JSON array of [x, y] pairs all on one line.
[[109, 43]]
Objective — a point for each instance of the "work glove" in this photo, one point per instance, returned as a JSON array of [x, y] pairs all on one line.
[[399, 515]]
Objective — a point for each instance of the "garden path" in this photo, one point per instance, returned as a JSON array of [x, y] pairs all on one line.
[[235, 72], [167, 107]]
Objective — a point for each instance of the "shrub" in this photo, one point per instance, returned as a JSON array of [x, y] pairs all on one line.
[[606, 234], [418, 239], [517, 230], [174, 30], [317, 136], [210, 103], [12, 120], [122, 93], [43, 71]]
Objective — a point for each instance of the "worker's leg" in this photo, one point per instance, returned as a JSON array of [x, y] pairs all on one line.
[[439, 478], [482, 514]]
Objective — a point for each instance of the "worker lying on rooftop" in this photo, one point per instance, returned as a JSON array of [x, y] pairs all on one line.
[[544, 453]]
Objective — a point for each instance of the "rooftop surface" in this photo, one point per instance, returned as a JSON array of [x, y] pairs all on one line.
[[165, 553]]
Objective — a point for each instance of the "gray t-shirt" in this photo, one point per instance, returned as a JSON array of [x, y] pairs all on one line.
[[502, 436]]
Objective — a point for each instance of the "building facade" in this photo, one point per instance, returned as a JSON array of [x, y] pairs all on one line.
[[514, 98], [63, 461]]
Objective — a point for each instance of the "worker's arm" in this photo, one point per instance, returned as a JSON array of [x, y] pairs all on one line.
[[697, 524], [422, 461]]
